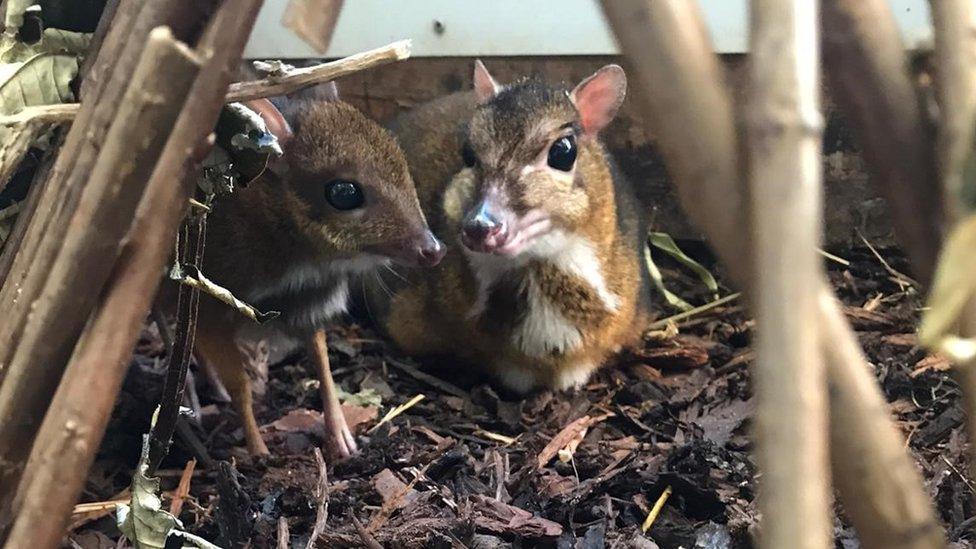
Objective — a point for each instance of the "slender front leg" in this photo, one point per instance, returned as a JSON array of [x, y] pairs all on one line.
[[338, 438], [215, 344]]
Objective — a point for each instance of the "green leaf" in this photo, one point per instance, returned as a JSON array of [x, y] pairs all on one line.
[[366, 397], [658, 279], [666, 244]]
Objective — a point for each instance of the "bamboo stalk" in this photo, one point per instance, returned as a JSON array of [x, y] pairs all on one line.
[[864, 56], [784, 129], [71, 432], [665, 42]]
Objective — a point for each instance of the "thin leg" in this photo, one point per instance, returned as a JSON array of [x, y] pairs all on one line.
[[217, 347], [338, 438]]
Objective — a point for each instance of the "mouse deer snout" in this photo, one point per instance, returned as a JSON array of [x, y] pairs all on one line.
[[484, 228], [430, 251]]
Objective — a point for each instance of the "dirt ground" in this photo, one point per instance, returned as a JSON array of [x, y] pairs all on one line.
[[465, 467]]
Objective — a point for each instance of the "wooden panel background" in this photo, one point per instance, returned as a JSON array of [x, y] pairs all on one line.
[[851, 205]]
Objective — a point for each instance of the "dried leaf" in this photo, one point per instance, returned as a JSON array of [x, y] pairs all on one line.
[[313, 21], [143, 521], [196, 279], [357, 416]]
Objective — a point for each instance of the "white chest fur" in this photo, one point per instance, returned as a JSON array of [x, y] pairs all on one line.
[[544, 330]]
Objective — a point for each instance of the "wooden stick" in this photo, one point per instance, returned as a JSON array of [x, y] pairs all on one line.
[[61, 192], [665, 42], [864, 56], [83, 262], [62, 456], [289, 82], [167, 70], [955, 55], [784, 127]]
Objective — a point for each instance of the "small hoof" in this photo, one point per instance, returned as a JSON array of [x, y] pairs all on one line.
[[341, 444]]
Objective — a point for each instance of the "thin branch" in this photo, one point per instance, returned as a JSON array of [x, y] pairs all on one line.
[[290, 81]]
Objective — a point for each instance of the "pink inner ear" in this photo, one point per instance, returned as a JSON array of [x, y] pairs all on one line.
[[485, 87], [272, 117], [599, 97]]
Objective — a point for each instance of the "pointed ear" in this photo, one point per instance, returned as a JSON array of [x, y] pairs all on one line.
[[273, 119], [485, 87], [598, 97]]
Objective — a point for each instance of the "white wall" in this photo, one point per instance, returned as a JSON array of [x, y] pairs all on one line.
[[510, 27]]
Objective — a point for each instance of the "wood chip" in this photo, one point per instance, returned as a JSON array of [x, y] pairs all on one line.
[[494, 516], [935, 363], [574, 430]]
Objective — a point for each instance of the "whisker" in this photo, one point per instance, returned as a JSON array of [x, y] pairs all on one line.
[[389, 293], [395, 273]]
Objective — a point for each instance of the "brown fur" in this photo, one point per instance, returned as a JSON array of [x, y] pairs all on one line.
[[430, 314]]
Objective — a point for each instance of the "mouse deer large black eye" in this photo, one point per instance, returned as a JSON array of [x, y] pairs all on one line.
[[467, 154], [562, 153], [344, 194]]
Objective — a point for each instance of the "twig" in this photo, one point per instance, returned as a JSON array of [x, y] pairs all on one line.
[[692, 117], [321, 500], [434, 382], [182, 489], [902, 279], [673, 319], [291, 81], [834, 258], [367, 538], [396, 411], [284, 539], [864, 60], [68, 287], [42, 114], [656, 510], [296, 79]]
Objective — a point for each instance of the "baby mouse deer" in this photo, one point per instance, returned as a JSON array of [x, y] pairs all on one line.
[[340, 201], [545, 280]]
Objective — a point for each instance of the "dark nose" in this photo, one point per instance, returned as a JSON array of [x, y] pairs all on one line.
[[431, 251], [481, 226]]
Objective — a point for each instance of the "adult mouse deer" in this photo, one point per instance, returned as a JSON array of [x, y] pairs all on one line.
[[545, 279]]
